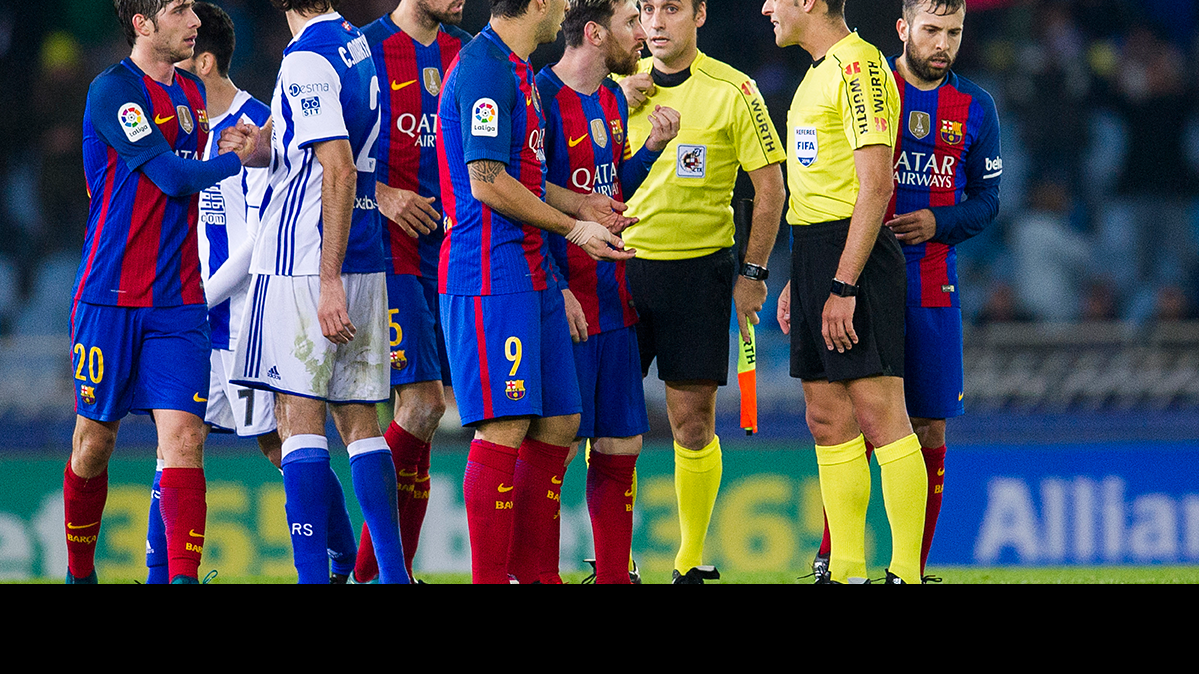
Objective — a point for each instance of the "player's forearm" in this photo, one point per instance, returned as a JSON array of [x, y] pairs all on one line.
[[178, 177], [337, 209], [491, 185], [232, 275], [634, 171], [770, 198], [963, 221]]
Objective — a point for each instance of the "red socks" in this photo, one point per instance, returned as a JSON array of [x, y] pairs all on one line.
[[610, 503], [410, 455], [184, 512], [934, 461], [538, 479], [83, 503], [489, 490]]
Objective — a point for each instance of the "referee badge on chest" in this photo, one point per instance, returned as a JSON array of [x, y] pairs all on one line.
[[807, 148], [692, 161], [599, 132]]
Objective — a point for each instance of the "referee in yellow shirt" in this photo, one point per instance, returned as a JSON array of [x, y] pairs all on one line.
[[685, 277], [845, 305]]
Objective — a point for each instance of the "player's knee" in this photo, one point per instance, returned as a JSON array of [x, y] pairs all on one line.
[[930, 431], [694, 432], [829, 425], [92, 447]]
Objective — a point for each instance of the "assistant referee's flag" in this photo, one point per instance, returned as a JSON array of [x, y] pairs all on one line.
[[747, 378]]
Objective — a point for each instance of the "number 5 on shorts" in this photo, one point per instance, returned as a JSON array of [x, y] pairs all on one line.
[[391, 324]]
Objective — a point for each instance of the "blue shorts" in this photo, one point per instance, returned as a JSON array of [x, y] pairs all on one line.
[[933, 383], [609, 368], [131, 359], [510, 355], [417, 344]]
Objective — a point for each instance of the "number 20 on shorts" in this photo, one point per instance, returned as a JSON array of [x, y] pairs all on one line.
[[94, 360]]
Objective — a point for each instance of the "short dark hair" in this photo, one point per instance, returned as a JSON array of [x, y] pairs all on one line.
[[127, 9], [582, 12], [939, 7], [306, 6], [837, 7], [216, 35], [509, 9]]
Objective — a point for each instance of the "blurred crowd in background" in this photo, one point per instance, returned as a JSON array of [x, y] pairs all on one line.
[[1097, 102]]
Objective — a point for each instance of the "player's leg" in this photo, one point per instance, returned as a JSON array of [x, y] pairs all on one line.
[[932, 445], [85, 490], [610, 504], [307, 483], [157, 569], [698, 465], [181, 438], [537, 475], [879, 407]]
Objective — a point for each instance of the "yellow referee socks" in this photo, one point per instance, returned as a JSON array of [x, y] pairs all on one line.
[[696, 483], [845, 490], [905, 492]]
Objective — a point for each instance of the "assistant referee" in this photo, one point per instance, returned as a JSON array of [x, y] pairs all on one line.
[[686, 272], [847, 290]]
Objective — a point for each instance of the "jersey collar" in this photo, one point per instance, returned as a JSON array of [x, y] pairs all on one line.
[[331, 16]]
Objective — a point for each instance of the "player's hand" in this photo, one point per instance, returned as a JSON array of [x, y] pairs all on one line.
[[748, 297], [605, 210], [412, 212], [332, 314], [637, 89], [575, 318], [784, 312], [837, 323], [664, 127], [598, 242], [913, 228]]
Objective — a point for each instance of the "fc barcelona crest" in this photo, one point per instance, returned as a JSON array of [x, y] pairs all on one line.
[[202, 115], [88, 394], [617, 132], [515, 389], [398, 360], [432, 77], [952, 132], [185, 118], [599, 133], [919, 124]]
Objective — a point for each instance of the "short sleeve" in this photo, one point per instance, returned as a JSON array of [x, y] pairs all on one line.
[[868, 110], [123, 118], [487, 106], [755, 137], [312, 92]]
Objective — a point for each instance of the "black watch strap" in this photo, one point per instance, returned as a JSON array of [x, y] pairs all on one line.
[[754, 272], [843, 289]]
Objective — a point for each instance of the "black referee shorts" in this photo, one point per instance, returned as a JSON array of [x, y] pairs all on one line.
[[878, 318], [685, 307]]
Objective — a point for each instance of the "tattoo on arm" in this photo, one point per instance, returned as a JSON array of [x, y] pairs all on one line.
[[485, 170]]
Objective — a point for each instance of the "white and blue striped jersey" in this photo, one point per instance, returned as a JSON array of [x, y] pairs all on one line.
[[229, 216], [327, 89]]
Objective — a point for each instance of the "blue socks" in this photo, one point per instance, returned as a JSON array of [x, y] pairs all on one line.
[[374, 479], [343, 546], [156, 537], [307, 477]]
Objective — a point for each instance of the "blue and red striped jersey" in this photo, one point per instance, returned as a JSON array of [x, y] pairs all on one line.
[[586, 145], [947, 159], [490, 110], [411, 75], [141, 248]]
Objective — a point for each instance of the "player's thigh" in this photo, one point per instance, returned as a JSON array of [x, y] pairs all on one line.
[[618, 396], [934, 385], [878, 405], [106, 346], [559, 381], [412, 332], [360, 368], [173, 371], [829, 412]]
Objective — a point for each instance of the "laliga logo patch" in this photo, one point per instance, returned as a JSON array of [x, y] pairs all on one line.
[[692, 161], [134, 122], [485, 118], [515, 389], [398, 360], [952, 132], [806, 146]]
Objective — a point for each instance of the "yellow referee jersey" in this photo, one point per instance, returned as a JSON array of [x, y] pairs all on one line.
[[685, 204], [847, 100]]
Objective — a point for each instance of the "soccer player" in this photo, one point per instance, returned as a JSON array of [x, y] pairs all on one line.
[[685, 278], [501, 307], [845, 296], [413, 47], [139, 319], [947, 170], [315, 329], [587, 150]]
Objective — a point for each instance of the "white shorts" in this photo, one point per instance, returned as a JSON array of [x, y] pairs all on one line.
[[281, 348], [248, 412]]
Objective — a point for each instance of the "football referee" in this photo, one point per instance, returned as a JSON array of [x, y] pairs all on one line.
[[847, 289], [685, 272]]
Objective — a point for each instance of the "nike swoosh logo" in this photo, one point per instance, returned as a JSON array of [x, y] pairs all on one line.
[[504, 490], [423, 479], [961, 395], [81, 526], [575, 141], [555, 480], [162, 120], [396, 87], [196, 397], [629, 493], [940, 472], [404, 473], [193, 534]]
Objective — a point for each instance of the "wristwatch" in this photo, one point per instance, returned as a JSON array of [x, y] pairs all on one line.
[[843, 289], [753, 272]]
